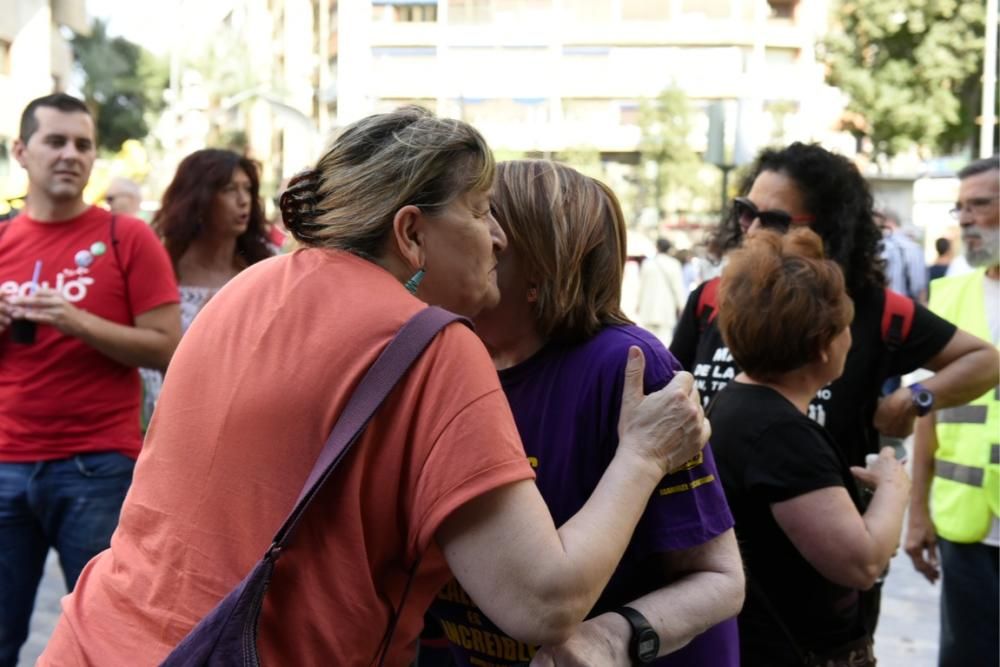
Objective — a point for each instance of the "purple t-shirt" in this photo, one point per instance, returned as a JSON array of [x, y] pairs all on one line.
[[565, 401]]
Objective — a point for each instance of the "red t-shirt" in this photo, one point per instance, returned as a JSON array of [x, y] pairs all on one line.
[[250, 397], [59, 396]]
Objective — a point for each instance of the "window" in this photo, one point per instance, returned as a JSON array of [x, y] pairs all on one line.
[[387, 104], [781, 57], [405, 11], [782, 9], [417, 13], [628, 113], [470, 11], [712, 9], [504, 111], [589, 11], [645, 10]]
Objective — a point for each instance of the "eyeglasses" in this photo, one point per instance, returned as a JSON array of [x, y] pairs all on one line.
[[746, 212], [974, 205]]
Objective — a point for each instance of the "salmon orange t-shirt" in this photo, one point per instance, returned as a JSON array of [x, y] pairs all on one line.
[[248, 401]]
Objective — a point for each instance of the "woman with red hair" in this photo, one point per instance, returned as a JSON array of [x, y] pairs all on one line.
[[808, 544]]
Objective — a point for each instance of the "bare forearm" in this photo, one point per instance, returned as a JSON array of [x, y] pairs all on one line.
[[710, 589], [612, 512], [967, 377], [130, 346], [690, 606], [924, 447], [707, 588], [543, 582], [884, 520]]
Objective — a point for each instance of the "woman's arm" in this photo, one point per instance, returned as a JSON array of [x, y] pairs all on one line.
[[965, 369], [707, 588], [921, 538], [537, 583], [846, 547]]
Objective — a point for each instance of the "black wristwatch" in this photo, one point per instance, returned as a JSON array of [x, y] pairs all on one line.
[[922, 397], [645, 643]]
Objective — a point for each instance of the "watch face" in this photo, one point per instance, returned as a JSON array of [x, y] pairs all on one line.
[[648, 645], [924, 399]]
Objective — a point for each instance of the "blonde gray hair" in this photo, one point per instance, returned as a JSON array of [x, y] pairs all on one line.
[[568, 233], [377, 166]]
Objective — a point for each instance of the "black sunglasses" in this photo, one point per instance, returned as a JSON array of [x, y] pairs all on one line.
[[745, 211]]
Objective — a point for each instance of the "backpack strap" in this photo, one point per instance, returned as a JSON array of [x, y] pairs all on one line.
[[121, 268], [708, 304], [897, 319]]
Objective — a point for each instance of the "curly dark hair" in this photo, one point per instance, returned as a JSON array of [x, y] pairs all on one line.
[[188, 199], [836, 193]]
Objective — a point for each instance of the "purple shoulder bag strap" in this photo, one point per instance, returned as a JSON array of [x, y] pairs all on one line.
[[227, 636]]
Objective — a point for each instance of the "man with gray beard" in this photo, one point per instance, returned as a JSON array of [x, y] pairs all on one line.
[[956, 460]]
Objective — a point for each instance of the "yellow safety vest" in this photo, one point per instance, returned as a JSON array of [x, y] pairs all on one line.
[[966, 489]]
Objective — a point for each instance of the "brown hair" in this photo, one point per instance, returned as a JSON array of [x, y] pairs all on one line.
[[377, 166], [781, 303], [569, 234], [188, 200], [58, 101]]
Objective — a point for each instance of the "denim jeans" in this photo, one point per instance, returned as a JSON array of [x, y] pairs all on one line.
[[69, 504], [969, 605]]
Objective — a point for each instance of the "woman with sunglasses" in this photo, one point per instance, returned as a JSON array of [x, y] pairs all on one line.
[[806, 185], [781, 470]]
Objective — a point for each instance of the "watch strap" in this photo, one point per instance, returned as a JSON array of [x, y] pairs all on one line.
[[916, 389], [638, 624]]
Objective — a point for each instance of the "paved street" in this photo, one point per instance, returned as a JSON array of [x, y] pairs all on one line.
[[907, 633]]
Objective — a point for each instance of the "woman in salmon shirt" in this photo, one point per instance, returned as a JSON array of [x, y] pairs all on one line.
[[395, 215]]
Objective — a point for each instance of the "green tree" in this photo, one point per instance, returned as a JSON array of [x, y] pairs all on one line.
[[123, 84], [230, 85], [911, 69], [668, 166]]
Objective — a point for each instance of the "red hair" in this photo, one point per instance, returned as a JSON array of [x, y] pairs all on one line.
[[781, 303]]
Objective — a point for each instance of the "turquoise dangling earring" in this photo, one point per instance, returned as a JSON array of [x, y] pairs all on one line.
[[413, 283]]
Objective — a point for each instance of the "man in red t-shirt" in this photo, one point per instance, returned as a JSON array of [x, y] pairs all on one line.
[[85, 299]]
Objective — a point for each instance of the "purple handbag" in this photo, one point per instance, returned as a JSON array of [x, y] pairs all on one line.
[[227, 636]]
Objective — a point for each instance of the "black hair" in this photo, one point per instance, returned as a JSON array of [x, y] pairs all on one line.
[[942, 246], [979, 167], [663, 245], [61, 101], [838, 197]]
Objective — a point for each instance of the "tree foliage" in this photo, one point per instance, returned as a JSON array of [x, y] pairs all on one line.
[[911, 69], [668, 165], [123, 84]]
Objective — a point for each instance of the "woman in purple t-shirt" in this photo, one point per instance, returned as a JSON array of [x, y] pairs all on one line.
[[560, 342]]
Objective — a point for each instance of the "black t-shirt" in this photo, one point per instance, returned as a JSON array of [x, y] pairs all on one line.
[[846, 407], [767, 452]]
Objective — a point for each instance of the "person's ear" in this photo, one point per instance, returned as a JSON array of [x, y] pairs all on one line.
[[18, 150], [407, 232]]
